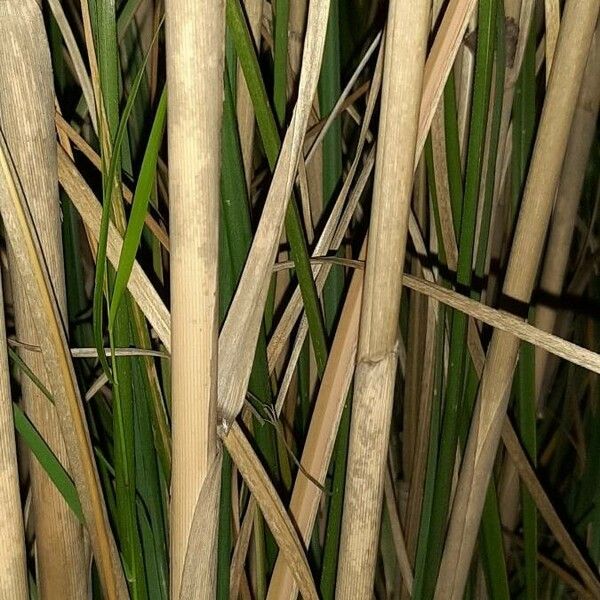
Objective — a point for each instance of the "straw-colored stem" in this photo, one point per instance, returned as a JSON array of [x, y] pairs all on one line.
[[568, 196], [195, 50], [569, 63], [13, 562], [407, 28], [321, 435], [559, 243], [26, 118]]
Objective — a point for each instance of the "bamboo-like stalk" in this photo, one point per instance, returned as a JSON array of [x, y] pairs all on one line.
[[569, 62], [552, 18], [559, 242], [195, 52], [407, 28], [26, 119], [13, 561], [567, 197]]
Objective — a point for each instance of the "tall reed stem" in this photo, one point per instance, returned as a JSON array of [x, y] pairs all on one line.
[[195, 55], [27, 122], [569, 62], [408, 25]]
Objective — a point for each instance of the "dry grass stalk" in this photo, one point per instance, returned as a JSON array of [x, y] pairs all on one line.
[[26, 116], [13, 560], [405, 46], [516, 452], [398, 535], [240, 331], [521, 13], [574, 41], [75, 54], [561, 533], [508, 323], [45, 314], [417, 327], [440, 61], [552, 18], [322, 432], [281, 527], [197, 577], [195, 34], [67, 133], [559, 243], [567, 197]]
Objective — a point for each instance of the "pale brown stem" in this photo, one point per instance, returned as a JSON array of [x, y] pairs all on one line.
[[559, 244], [195, 52], [568, 196], [27, 122], [407, 29], [569, 62]]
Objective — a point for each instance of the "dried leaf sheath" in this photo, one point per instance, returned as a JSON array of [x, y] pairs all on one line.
[[569, 62], [195, 49], [26, 118], [408, 25]]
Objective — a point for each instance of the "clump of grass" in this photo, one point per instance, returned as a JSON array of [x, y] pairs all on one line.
[[305, 249]]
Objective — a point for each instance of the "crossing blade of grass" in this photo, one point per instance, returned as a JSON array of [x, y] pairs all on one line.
[[272, 144], [275, 514], [139, 206], [322, 432], [240, 331], [90, 211], [75, 54], [237, 231], [196, 579]]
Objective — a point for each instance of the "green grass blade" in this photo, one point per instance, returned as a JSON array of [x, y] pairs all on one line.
[[329, 92], [51, 465], [524, 111], [336, 503], [272, 143], [453, 162], [280, 58], [139, 207], [453, 409], [110, 187]]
